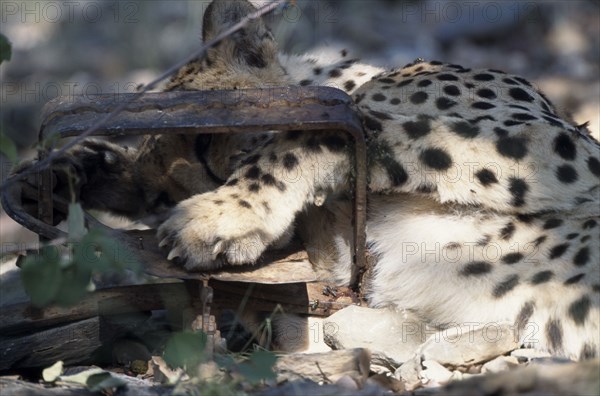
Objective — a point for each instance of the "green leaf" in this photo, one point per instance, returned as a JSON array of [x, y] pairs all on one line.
[[103, 381], [5, 49], [259, 367], [185, 350], [42, 277], [8, 147], [74, 285], [76, 222], [51, 374]]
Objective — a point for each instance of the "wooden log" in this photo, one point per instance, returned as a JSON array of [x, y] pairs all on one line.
[[23, 317], [12, 387], [72, 343], [325, 367]]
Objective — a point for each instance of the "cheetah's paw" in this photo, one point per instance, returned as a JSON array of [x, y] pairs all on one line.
[[207, 231]]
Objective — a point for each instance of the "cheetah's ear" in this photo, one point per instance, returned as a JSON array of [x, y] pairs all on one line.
[[253, 46]]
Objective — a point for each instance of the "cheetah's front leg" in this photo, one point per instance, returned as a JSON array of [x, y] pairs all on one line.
[[259, 202]]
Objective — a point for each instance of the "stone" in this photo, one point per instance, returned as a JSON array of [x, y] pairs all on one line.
[[501, 363], [386, 332], [464, 346], [434, 374]]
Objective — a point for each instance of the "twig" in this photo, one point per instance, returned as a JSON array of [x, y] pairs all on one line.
[[325, 377], [200, 53]]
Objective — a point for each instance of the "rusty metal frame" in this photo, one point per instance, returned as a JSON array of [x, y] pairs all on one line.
[[309, 109]]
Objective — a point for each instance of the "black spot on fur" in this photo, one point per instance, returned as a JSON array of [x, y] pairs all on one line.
[[268, 179], [317, 71], [510, 81], [372, 124], [558, 250], [244, 204], [589, 224], [552, 223], [509, 283], [378, 97], [520, 94], [451, 90], [475, 268], [585, 238], [523, 81], [518, 188], [512, 258], [512, 147], [524, 315], [582, 257], [290, 161], [541, 277], [507, 231], [313, 145], [436, 158], [574, 279], [523, 116], [232, 182], [418, 97], [443, 103], [404, 83], [335, 73], [486, 177], [417, 129], [304, 83], [594, 166], [486, 93], [500, 132], [572, 235], [579, 310], [554, 334], [588, 352], [396, 172], [426, 188], [253, 173], [334, 143], [484, 241], [483, 77], [447, 77], [510, 123], [481, 118], [424, 83], [254, 187], [564, 147], [395, 101], [349, 85], [482, 105], [465, 129], [253, 159], [566, 174], [387, 80], [553, 121]]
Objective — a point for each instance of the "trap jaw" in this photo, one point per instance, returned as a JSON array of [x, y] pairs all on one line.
[[309, 109]]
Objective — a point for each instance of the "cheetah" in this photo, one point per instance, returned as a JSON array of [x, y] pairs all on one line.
[[483, 205]]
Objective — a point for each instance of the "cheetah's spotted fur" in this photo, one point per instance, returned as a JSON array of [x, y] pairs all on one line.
[[484, 202]]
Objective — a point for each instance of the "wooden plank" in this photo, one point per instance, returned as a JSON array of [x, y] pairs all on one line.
[[290, 265], [24, 317], [299, 298], [72, 343]]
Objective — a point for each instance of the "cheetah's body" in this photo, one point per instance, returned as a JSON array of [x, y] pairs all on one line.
[[484, 203]]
